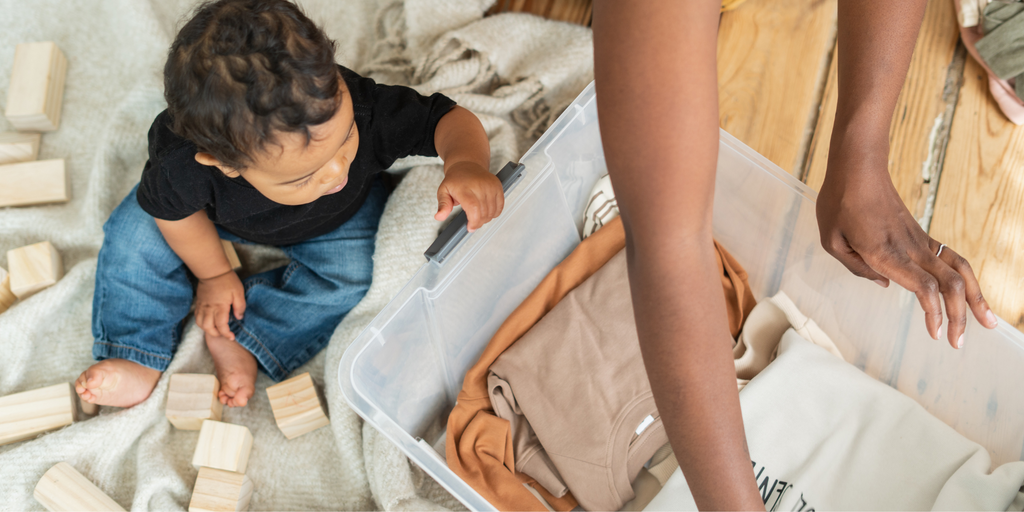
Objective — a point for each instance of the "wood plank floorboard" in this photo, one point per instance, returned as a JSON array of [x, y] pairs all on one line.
[[772, 61], [979, 209]]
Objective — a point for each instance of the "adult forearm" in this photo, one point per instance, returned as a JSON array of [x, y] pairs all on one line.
[[195, 240], [656, 80], [875, 44], [686, 346]]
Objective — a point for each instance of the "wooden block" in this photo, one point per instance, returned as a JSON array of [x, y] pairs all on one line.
[[7, 297], [29, 183], [223, 446], [18, 147], [86, 408], [37, 87], [63, 488], [30, 413], [192, 398], [229, 251], [296, 406], [220, 491], [33, 268]]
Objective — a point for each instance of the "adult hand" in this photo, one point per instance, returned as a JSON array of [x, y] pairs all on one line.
[[865, 225], [475, 188], [215, 297]]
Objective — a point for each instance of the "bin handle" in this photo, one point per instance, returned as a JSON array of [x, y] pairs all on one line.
[[453, 235]]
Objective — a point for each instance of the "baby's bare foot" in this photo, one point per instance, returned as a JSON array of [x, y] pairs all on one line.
[[117, 382], [236, 369]]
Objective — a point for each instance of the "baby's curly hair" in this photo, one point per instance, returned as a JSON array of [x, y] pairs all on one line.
[[241, 70]]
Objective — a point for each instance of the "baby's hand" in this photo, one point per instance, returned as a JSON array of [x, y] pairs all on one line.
[[214, 299], [478, 191]]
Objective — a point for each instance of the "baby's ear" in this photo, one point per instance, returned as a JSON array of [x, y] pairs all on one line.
[[211, 161]]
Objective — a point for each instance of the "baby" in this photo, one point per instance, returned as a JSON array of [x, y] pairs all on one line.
[[265, 140]]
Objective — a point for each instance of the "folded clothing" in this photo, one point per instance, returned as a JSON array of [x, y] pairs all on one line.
[[823, 435], [576, 393], [1002, 47], [479, 446], [1004, 93], [758, 344], [601, 208]]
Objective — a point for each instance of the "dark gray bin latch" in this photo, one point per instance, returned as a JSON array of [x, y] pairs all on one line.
[[453, 235]]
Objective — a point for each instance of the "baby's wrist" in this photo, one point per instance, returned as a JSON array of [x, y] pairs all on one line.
[[215, 276]]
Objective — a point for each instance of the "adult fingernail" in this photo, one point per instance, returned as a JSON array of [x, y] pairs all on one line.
[[990, 317], [960, 342], [881, 283]]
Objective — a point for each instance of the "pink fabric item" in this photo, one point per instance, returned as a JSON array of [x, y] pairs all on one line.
[[1002, 91]]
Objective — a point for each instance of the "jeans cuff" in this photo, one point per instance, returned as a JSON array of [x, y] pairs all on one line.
[[105, 350], [268, 363]]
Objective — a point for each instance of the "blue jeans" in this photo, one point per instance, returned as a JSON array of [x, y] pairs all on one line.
[[144, 291]]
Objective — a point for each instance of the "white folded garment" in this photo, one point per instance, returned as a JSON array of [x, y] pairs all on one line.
[[825, 436]]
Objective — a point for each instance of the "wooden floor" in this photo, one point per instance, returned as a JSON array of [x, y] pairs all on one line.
[[956, 161]]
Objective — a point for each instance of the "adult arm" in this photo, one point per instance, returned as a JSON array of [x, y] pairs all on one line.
[[862, 220], [195, 240], [657, 94]]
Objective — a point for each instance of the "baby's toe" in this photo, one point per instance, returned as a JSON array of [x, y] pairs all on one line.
[[94, 378], [241, 399]]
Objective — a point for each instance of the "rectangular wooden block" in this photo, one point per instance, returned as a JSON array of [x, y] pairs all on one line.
[[296, 406], [191, 399], [223, 446], [7, 297], [217, 490], [37, 87], [30, 413], [86, 408], [63, 488], [18, 147], [33, 268], [229, 251], [30, 183]]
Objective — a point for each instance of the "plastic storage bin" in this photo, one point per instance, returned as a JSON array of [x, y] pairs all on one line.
[[403, 373]]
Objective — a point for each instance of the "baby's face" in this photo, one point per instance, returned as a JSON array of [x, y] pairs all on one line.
[[292, 172]]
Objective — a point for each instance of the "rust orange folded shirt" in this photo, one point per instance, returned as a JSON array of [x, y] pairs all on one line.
[[479, 444]]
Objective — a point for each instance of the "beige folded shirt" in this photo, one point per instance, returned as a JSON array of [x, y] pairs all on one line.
[[580, 380]]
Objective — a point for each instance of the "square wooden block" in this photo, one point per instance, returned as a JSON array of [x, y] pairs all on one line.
[[31, 183], [296, 406], [37, 87], [33, 268], [18, 147], [217, 490], [30, 413], [192, 398], [7, 297], [223, 446], [63, 488]]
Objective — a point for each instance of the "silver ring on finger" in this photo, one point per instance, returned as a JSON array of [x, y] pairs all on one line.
[[941, 247]]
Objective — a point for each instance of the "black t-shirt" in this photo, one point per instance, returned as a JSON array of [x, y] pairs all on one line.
[[393, 122]]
